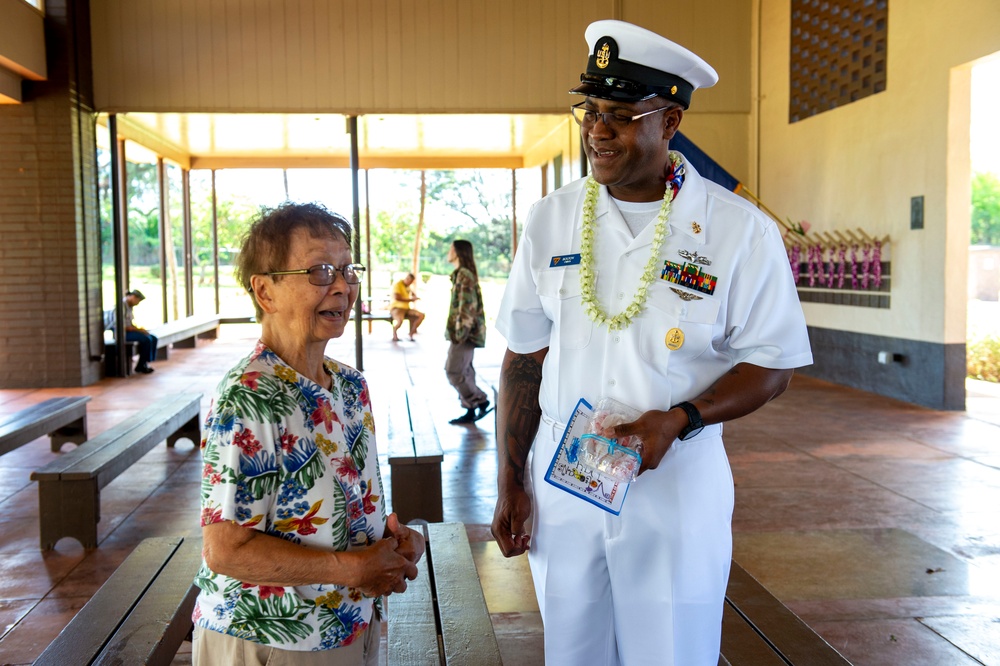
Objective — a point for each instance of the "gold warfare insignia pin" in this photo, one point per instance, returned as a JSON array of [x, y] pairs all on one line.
[[604, 56], [674, 339]]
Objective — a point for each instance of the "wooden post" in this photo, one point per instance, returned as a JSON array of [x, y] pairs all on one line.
[[420, 223]]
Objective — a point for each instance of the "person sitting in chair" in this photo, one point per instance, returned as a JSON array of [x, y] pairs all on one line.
[[400, 309]]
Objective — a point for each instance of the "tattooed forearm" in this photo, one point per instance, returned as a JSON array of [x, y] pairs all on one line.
[[708, 397], [745, 388], [519, 411]]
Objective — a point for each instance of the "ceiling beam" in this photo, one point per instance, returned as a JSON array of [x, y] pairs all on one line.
[[413, 162], [149, 139]]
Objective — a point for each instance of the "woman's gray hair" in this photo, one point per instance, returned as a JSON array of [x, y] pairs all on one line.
[[266, 244]]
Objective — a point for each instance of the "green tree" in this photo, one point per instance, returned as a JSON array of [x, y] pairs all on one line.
[[143, 211], [484, 198], [985, 209], [393, 234]]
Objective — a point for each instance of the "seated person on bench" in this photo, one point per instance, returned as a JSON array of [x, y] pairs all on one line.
[[147, 341], [401, 308], [298, 549]]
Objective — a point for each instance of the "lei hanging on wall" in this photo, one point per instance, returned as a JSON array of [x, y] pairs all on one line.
[[815, 252], [827, 265], [854, 266], [866, 262], [841, 265], [877, 267]]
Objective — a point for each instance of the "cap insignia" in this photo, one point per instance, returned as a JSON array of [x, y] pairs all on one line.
[[603, 56], [673, 90]]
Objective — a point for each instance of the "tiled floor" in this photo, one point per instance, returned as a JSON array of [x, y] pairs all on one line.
[[876, 521]]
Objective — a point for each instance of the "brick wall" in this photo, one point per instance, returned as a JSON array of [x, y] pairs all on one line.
[[50, 307]]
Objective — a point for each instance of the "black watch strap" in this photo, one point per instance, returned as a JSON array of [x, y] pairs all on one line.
[[695, 424]]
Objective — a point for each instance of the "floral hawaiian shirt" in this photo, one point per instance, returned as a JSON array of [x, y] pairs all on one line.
[[284, 456]]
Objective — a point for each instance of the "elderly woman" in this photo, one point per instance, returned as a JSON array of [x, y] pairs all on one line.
[[298, 549]]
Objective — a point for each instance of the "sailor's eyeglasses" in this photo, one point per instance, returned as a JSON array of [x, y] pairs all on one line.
[[588, 117], [323, 275]]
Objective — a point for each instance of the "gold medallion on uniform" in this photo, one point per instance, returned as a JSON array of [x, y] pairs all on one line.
[[674, 339]]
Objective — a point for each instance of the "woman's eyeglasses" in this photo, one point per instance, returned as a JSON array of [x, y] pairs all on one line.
[[323, 275]]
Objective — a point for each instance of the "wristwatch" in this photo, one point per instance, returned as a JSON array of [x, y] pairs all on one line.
[[695, 424]]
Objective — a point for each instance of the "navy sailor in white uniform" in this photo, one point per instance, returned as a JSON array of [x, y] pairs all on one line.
[[648, 284]]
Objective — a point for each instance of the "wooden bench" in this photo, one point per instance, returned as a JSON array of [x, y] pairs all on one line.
[[759, 630], [181, 333], [111, 354], [415, 458], [375, 316], [184, 333], [367, 315], [442, 617], [141, 615], [69, 489], [62, 419]]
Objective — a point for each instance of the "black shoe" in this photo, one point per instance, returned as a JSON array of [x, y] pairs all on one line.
[[145, 370], [483, 409], [468, 417]]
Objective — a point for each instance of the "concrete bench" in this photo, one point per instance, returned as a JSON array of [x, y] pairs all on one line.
[[442, 617], [415, 458], [62, 419], [69, 489], [759, 630], [141, 615]]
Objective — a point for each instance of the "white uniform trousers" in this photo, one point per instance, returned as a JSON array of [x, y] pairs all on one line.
[[645, 587]]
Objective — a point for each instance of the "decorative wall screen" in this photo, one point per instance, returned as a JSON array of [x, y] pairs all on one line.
[[838, 54]]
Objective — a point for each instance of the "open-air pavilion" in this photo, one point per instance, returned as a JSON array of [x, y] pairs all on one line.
[[864, 496]]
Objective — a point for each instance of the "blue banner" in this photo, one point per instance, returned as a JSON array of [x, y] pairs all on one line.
[[705, 165]]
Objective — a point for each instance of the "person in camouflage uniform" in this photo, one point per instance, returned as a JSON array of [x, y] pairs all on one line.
[[465, 330]]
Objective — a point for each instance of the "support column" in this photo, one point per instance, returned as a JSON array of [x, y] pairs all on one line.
[[51, 323]]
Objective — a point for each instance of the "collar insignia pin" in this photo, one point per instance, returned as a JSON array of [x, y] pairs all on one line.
[[695, 227]]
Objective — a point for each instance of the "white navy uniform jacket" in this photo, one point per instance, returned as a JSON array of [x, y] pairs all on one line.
[[733, 299]]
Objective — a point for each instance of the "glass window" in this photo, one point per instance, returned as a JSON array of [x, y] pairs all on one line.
[[202, 242], [174, 243], [144, 271]]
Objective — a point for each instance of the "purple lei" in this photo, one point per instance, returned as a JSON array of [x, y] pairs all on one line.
[[877, 264], [866, 263], [854, 266], [794, 256]]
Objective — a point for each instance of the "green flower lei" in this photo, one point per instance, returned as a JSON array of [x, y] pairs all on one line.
[[623, 319]]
